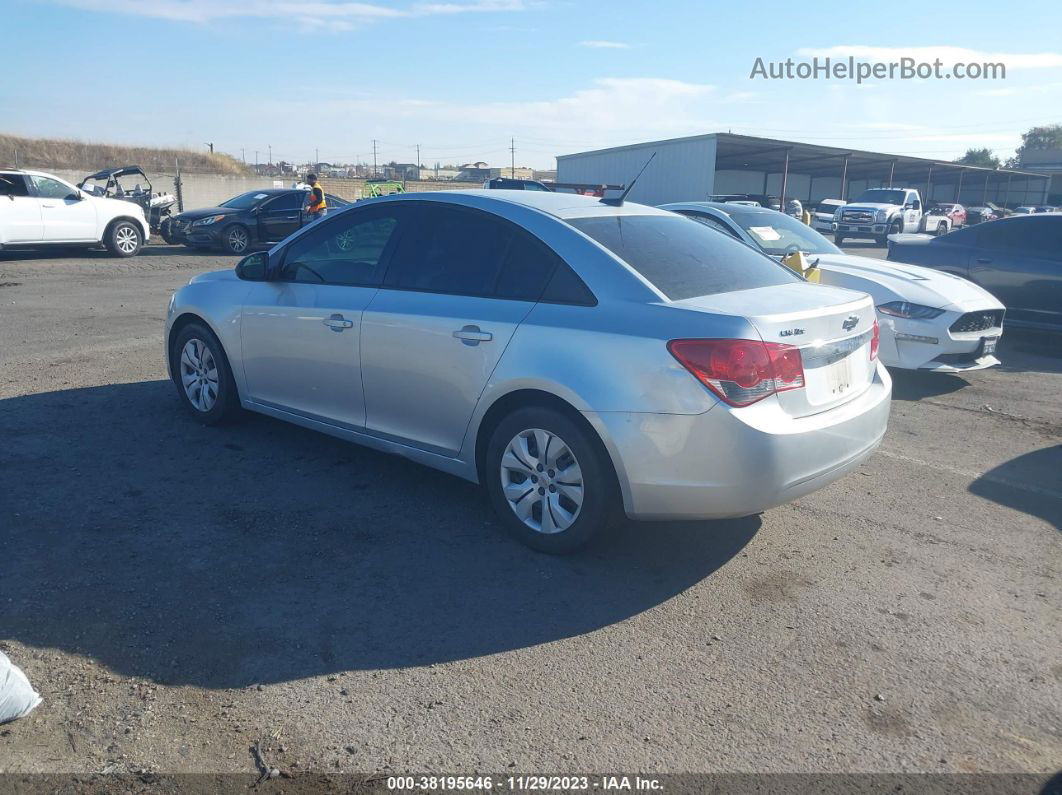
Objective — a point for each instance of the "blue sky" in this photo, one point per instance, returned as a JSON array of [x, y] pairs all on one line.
[[460, 77]]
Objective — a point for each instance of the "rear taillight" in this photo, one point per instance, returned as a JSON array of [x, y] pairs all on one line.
[[741, 371], [874, 337]]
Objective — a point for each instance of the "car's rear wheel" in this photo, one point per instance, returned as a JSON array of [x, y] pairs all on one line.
[[203, 377], [942, 229], [549, 481], [838, 240], [236, 239], [124, 239]]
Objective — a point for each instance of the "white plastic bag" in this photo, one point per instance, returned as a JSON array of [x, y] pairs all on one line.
[[17, 696]]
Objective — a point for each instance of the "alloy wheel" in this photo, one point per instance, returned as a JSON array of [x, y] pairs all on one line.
[[199, 375], [126, 239], [542, 481], [238, 240]]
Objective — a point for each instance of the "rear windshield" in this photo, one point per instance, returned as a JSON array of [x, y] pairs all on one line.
[[683, 259]]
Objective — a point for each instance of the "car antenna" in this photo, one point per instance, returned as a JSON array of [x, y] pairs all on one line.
[[618, 201]]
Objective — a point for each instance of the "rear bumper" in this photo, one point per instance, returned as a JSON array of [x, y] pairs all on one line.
[[734, 462]]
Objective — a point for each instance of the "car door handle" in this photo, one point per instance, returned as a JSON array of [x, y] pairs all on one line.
[[338, 323], [984, 260], [473, 335], [47, 205]]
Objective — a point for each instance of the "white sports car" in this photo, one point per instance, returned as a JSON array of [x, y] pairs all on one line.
[[929, 320]]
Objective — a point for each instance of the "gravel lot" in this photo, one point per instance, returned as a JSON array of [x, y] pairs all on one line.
[[177, 593]]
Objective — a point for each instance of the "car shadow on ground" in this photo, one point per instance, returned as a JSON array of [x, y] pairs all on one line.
[[1013, 484], [1025, 351], [263, 552], [150, 250], [913, 385]]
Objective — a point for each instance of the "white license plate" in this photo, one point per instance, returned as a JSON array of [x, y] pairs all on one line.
[[839, 376], [988, 345]]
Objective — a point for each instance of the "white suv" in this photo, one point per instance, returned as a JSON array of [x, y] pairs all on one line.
[[38, 209]]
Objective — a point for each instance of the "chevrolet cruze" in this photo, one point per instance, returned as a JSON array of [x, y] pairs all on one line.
[[579, 358]]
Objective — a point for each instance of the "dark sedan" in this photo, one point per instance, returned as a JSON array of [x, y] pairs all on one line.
[[1017, 259], [253, 218]]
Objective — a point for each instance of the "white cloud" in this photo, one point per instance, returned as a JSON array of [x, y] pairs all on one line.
[[1015, 91], [605, 45], [610, 111], [313, 14], [947, 55]]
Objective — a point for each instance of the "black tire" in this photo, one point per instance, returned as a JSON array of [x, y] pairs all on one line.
[[236, 239], [226, 404], [123, 239], [942, 229], [838, 240], [600, 498]]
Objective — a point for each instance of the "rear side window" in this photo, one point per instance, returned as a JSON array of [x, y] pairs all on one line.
[[683, 260], [450, 251], [13, 185], [527, 267]]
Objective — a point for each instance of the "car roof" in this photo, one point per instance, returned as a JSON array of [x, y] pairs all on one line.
[[559, 205], [117, 171], [725, 209]]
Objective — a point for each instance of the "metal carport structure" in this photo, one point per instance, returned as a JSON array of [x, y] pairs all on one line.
[[691, 168]]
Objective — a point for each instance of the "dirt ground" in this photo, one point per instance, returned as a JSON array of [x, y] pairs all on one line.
[[180, 593]]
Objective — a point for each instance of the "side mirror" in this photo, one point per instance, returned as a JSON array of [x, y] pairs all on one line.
[[76, 196], [254, 267]]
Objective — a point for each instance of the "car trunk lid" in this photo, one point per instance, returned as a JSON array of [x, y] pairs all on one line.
[[831, 326]]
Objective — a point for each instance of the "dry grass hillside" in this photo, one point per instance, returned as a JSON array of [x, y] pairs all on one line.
[[87, 156]]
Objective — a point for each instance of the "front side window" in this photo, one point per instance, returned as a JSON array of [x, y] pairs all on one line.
[[286, 201], [48, 188], [683, 260], [347, 251], [13, 185], [449, 250]]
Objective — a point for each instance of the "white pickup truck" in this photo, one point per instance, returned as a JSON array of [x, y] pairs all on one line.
[[878, 213]]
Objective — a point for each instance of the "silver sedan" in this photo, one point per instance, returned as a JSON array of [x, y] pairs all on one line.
[[579, 359]]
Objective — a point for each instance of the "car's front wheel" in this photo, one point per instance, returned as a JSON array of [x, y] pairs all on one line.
[[123, 239], [202, 375], [236, 239], [549, 480]]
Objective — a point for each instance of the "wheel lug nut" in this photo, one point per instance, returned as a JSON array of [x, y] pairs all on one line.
[[541, 490], [534, 479], [539, 467], [552, 473], [552, 488]]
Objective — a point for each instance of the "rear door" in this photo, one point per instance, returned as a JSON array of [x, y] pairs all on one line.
[[64, 215], [301, 334], [281, 216], [20, 212], [459, 284]]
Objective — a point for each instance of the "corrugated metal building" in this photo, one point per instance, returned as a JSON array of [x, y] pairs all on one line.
[[691, 169]]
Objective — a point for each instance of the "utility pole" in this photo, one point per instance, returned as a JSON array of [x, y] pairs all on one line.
[[418, 161], [211, 145], [512, 151], [243, 157], [255, 161], [375, 173], [270, 154]]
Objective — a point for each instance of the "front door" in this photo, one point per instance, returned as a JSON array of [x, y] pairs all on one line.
[[20, 213], [64, 214], [280, 217], [458, 285], [301, 333]]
